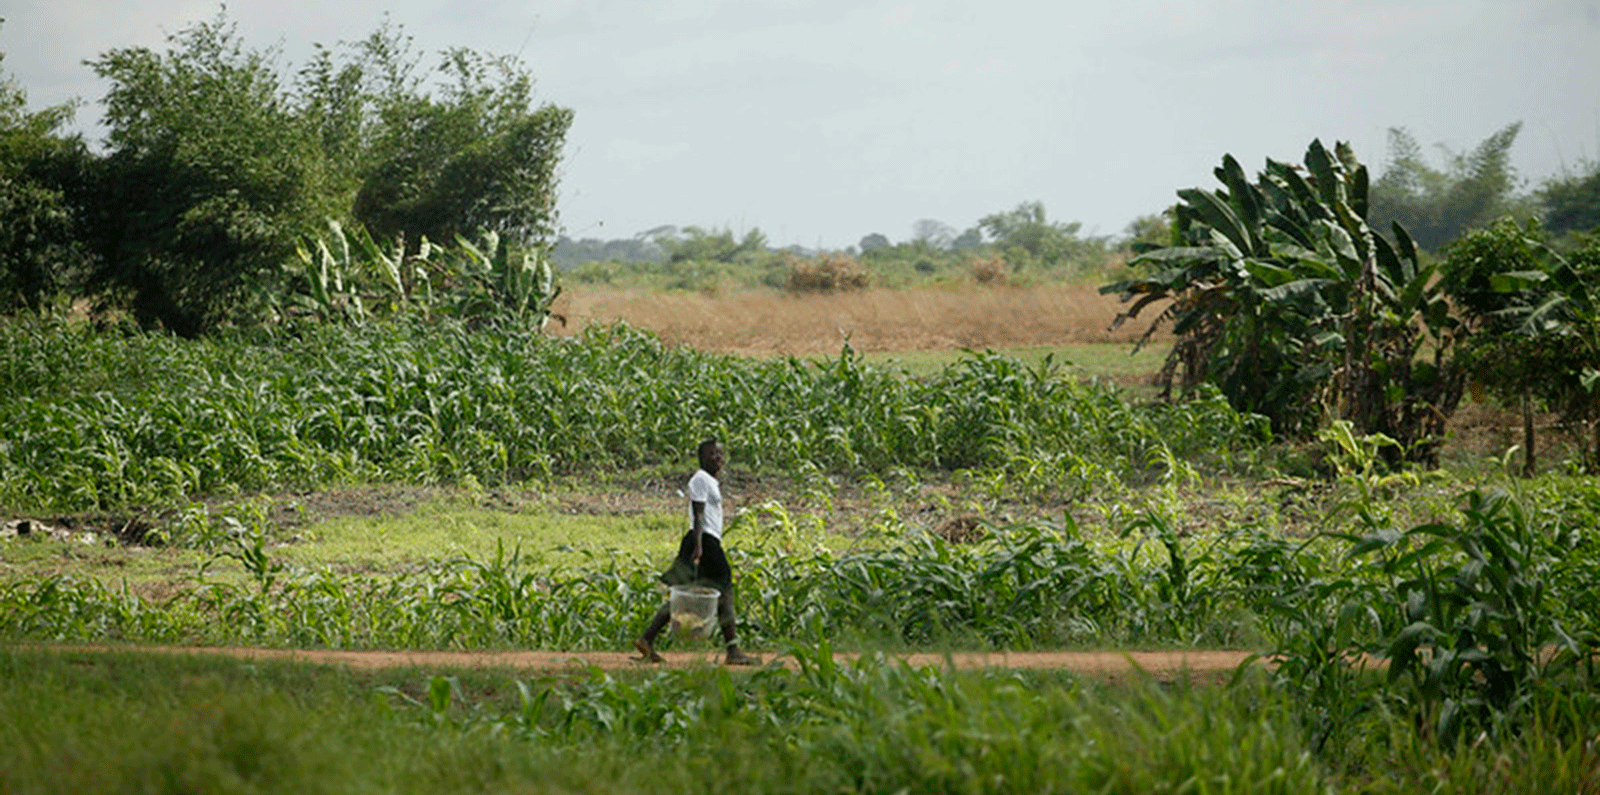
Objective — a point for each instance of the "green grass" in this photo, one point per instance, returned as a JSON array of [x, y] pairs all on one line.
[[1101, 523], [448, 529], [74, 722], [81, 722]]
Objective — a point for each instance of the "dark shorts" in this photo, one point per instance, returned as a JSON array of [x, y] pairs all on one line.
[[713, 570]]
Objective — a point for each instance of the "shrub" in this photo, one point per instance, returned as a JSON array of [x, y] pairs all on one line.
[[988, 269], [826, 273]]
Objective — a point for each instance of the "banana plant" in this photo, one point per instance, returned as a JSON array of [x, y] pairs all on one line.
[[327, 272], [1283, 296], [346, 275], [496, 279]]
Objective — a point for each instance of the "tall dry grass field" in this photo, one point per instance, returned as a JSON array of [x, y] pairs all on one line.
[[761, 323]]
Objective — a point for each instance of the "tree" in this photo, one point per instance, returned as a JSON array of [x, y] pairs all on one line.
[[969, 240], [1026, 237], [873, 242], [1498, 360], [40, 252], [208, 177], [696, 244], [1287, 300], [1571, 203], [1546, 322], [480, 156], [1147, 233], [215, 167], [1436, 205], [935, 234]]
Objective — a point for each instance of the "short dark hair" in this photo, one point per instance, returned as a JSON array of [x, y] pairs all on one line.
[[707, 446]]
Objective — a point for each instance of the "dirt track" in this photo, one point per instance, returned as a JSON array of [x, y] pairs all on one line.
[[1107, 665]]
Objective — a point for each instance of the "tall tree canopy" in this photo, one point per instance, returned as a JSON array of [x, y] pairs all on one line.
[[1436, 205], [1026, 237], [1571, 203], [217, 162], [39, 248], [477, 156], [209, 176]]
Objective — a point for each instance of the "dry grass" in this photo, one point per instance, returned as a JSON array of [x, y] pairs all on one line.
[[762, 323]]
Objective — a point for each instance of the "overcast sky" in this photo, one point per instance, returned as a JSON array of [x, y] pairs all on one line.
[[820, 121]]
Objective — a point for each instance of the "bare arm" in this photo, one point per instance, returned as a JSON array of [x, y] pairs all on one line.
[[698, 511]]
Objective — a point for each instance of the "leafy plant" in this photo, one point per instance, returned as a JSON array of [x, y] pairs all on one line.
[[1476, 614], [494, 280], [1555, 327], [1284, 297]]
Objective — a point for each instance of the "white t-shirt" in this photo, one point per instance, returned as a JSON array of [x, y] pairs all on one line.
[[703, 487]]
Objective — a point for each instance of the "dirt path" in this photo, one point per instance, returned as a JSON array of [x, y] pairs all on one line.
[[1106, 665]]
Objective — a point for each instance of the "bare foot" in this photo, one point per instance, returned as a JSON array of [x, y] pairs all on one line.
[[647, 652], [736, 657]]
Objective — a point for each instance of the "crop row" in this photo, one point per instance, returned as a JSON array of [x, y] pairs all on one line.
[[93, 420], [1037, 584], [1475, 616]]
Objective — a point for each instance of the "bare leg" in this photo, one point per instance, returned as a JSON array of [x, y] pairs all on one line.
[[646, 642], [729, 625]]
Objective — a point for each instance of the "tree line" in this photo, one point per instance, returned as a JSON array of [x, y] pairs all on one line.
[[232, 191]]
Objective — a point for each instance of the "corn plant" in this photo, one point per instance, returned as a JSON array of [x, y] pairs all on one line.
[[1476, 613], [150, 420]]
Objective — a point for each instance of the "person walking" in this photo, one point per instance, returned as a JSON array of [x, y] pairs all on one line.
[[701, 560]]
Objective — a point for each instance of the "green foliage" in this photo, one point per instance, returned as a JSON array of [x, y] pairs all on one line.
[[41, 257], [569, 253], [216, 165], [349, 277], [1473, 629], [1024, 586], [325, 283], [99, 722], [129, 721], [479, 156], [667, 258], [108, 421], [1436, 206], [1029, 241], [1286, 299], [208, 177], [1539, 318], [1147, 232], [494, 281], [1483, 618], [1465, 614], [1571, 202], [1026, 246], [917, 262], [696, 244]]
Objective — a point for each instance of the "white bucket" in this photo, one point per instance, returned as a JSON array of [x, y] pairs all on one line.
[[694, 609]]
